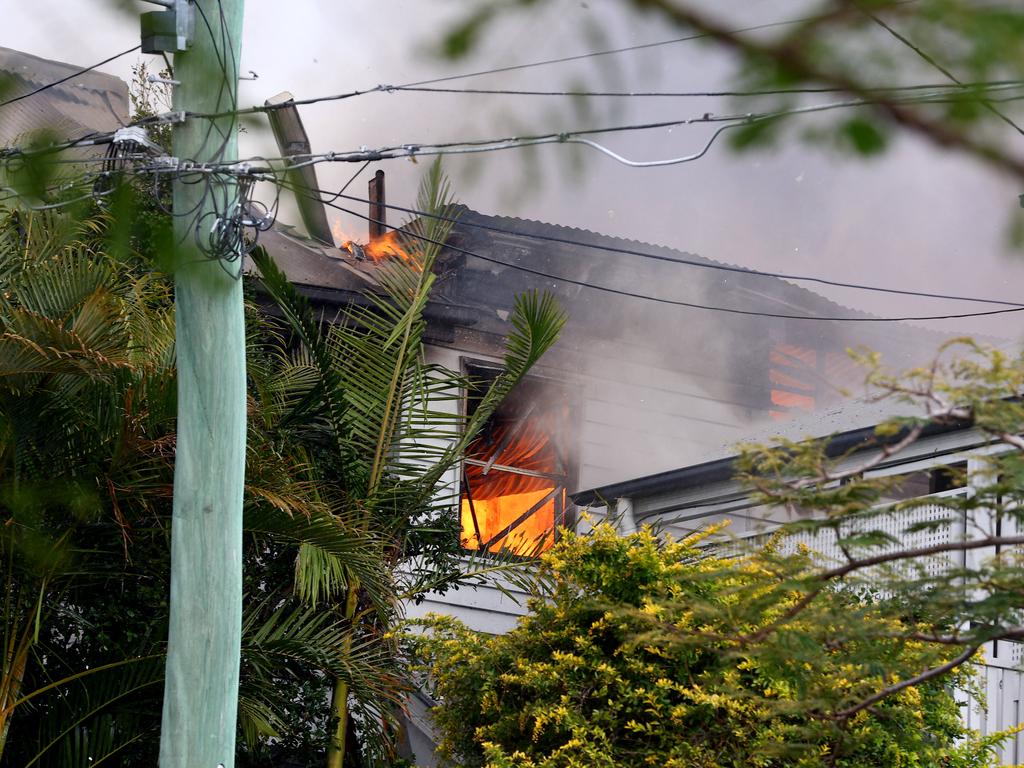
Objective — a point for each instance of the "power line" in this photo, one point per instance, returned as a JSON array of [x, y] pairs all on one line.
[[958, 86], [671, 259], [935, 64], [573, 137], [513, 67], [72, 76], [615, 51], [88, 140], [673, 302]]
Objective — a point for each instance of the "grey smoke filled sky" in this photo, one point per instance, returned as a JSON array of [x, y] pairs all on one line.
[[914, 218]]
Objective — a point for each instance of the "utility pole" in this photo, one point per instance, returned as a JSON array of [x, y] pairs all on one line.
[[201, 691]]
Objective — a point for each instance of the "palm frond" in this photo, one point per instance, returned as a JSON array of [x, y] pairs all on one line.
[[91, 717], [292, 639], [329, 396], [320, 577], [536, 321], [333, 535]]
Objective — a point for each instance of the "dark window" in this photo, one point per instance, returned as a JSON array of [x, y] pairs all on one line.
[[912, 485]]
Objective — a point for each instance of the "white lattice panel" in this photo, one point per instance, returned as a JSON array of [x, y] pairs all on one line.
[[895, 524], [823, 544]]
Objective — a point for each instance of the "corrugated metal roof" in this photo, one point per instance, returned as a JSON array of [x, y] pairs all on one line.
[[92, 102]]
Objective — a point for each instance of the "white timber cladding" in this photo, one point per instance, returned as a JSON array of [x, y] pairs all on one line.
[[689, 508], [639, 419], [452, 360], [482, 608], [632, 418], [1003, 686]]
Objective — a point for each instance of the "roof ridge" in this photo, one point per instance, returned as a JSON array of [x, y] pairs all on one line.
[[739, 268]]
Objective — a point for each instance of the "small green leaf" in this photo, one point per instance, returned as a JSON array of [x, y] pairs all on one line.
[[862, 136]]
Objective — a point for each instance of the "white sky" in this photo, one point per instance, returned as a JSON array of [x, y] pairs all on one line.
[[916, 218]]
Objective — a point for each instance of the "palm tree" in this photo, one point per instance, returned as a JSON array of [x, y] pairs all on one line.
[[86, 353], [370, 405], [347, 448], [86, 456]]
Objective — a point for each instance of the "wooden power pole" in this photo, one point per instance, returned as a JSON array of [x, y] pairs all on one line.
[[201, 691]]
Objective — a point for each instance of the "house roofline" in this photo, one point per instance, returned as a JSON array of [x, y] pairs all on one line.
[[721, 470], [443, 312]]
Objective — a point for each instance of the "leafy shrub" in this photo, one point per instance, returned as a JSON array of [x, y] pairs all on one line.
[[647, 652]]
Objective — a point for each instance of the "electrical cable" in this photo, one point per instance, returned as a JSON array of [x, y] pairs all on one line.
[[86, 181], [958, 86], [88, 140], [627, 49], [347, 184], [673, 302], [572, 137], [934, 63], [72, 76], [510, 68], [671, 259], [92, 195]]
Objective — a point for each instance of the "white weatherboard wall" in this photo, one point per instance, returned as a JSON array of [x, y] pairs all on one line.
[[482, 608], [1003, 686]]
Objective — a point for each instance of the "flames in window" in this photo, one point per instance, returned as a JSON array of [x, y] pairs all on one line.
[[516, 475], [802, 378]]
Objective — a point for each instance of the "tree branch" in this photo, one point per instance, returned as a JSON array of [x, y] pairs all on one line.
[[916, 680], [790, 58]]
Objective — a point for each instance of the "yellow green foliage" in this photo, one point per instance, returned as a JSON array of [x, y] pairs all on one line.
[[646, 652]]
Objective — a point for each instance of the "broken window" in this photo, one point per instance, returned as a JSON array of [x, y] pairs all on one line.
[[516, 472], [802, 379]]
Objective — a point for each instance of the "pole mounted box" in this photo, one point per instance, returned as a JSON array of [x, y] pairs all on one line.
[[168, 31]]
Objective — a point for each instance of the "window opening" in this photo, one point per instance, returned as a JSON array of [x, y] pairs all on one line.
[[516, 472], [802, 379], [913, 485]]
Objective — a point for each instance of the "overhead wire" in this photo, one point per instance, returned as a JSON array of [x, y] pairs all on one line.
[[669, 259], [510, 68], [955, 87], [936, 65], [574, 136], [72, 76], [672, 302], [84, 181], [90, 139], [626, 49]]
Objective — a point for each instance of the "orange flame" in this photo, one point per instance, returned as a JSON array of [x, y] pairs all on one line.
[[495, 498], [381, 248]]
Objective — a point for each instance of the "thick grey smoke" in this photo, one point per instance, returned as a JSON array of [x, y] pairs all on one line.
[[914, 218]]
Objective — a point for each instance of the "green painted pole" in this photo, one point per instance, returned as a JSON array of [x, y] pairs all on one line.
[[201, 692]]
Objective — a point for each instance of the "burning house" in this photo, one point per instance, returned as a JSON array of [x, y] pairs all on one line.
[[666, 356], [634, 386], [643, 379]]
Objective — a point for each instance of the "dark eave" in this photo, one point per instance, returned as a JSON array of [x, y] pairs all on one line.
[[722, 470], [325, 299]]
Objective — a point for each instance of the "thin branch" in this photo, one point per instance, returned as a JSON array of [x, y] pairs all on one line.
[[908, 683], [794, 62], [885, 452], [906, 554]]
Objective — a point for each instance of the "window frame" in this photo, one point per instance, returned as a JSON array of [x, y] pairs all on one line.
[[565, 513]]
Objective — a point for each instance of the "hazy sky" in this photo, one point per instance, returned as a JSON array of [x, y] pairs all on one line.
[[914, 218]]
